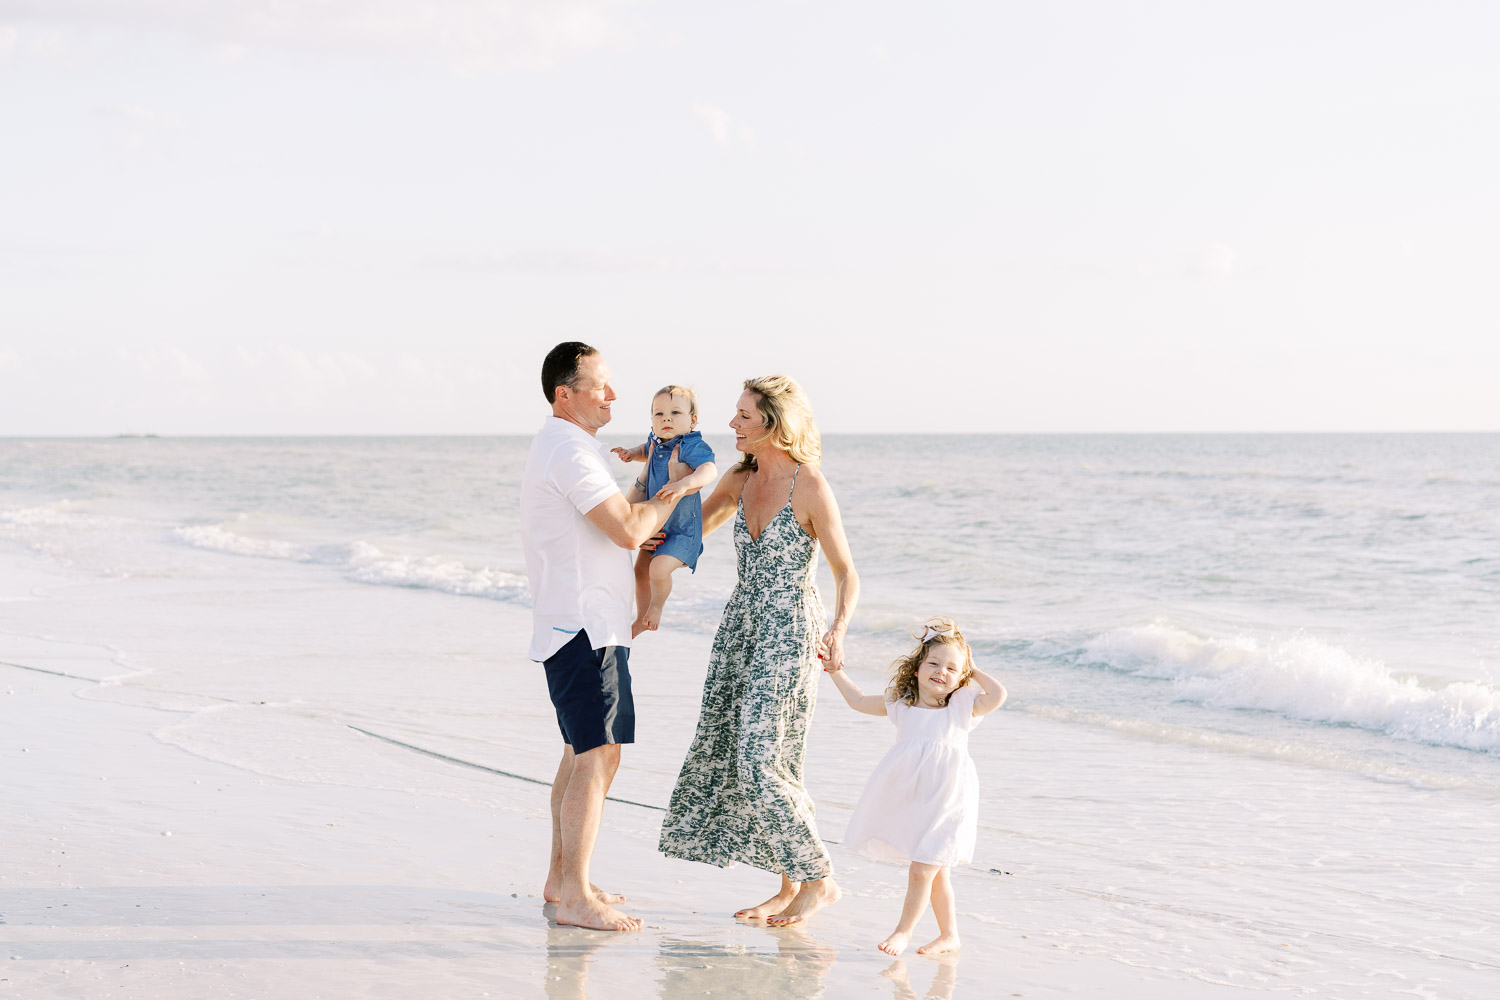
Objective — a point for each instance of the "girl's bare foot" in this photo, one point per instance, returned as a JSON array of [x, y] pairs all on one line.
[[775, 904], [595, 916], [551, 895], [811, 898], [896, 943], [940, 945]]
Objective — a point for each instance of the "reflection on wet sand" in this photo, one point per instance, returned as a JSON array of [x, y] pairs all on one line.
[[796, 968], [570, 951], [942, 982]]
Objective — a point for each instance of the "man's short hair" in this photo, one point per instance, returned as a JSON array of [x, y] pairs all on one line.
[[561, 367]]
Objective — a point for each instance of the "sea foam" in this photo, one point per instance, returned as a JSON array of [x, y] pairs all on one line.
[[365, 562], [1303, 678], [219, 539]]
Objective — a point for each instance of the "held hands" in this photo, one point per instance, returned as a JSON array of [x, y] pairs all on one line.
[[831, 647]]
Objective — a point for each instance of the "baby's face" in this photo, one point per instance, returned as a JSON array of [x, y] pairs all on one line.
[[671, 415]]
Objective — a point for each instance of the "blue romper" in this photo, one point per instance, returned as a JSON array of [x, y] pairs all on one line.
[[684, 527]]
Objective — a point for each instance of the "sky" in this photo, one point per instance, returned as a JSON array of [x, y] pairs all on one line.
[[376, 216]]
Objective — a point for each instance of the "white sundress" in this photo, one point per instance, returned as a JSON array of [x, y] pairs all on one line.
[[922, 801]]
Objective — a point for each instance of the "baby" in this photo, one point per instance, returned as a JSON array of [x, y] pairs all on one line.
[[674, 414]]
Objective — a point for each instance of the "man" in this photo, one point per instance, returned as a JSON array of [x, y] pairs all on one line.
[[579, 534]]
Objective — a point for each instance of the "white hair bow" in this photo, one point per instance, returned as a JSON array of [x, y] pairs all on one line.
[[933, 631]]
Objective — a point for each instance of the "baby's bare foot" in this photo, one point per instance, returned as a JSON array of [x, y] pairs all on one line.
[[940, 945], [651, 620], [637, 627], [811, 898], [775, 904], [896, 943]]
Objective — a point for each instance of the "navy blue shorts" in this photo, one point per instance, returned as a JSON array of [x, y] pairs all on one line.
[[590, 690]]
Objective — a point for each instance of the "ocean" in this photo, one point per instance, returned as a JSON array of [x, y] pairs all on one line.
[[1254, 717]]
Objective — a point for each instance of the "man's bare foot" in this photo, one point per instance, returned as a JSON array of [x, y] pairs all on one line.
[[940, 945], [811, 898], [896, 943], [595, 916], [551, 895], [775, 904]]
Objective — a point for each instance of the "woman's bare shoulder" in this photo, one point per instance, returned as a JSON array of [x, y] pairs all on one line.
[[732, 481], [816, 484]]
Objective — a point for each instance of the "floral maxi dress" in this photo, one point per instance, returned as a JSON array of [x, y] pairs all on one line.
[[739, 796]]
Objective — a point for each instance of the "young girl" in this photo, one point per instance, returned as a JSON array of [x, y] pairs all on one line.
[[674, 415], [922, 803]]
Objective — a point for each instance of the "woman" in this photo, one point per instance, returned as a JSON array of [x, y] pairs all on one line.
[[740, 796]]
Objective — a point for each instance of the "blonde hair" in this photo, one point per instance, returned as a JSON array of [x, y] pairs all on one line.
[[679, 390], [788, 419], [938, 630]]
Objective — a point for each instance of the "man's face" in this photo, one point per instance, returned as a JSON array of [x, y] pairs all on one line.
[[587, 403]]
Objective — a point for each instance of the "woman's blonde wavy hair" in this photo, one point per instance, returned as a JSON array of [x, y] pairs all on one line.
[[940, 630], [788, 419]]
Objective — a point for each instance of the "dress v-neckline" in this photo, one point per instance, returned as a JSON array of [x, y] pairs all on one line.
[[755, 539]]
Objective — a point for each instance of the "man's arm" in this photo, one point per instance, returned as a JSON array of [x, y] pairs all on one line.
[[630, 524]]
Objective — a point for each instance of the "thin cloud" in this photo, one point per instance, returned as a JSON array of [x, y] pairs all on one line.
[[478, 36], [562, 260], [1217, 261], [137, 115], [724, 129]]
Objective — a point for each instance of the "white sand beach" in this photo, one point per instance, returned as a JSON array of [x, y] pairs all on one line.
[[198, 819]]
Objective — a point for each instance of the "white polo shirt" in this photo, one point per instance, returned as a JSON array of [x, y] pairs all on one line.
[[579, 578]]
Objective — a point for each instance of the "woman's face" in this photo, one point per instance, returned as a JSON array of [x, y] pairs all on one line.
[[748, 425]]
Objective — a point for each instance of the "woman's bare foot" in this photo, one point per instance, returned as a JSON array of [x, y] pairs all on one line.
[[896, 943], [595, 916], [551, 895], [775, 904], [940, 945], [811, 898]]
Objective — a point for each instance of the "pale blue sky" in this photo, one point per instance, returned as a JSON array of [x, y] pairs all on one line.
[[372, 216]]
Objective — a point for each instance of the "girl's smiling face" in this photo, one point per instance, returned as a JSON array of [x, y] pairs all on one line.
[[671, 415], [940, 673]]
